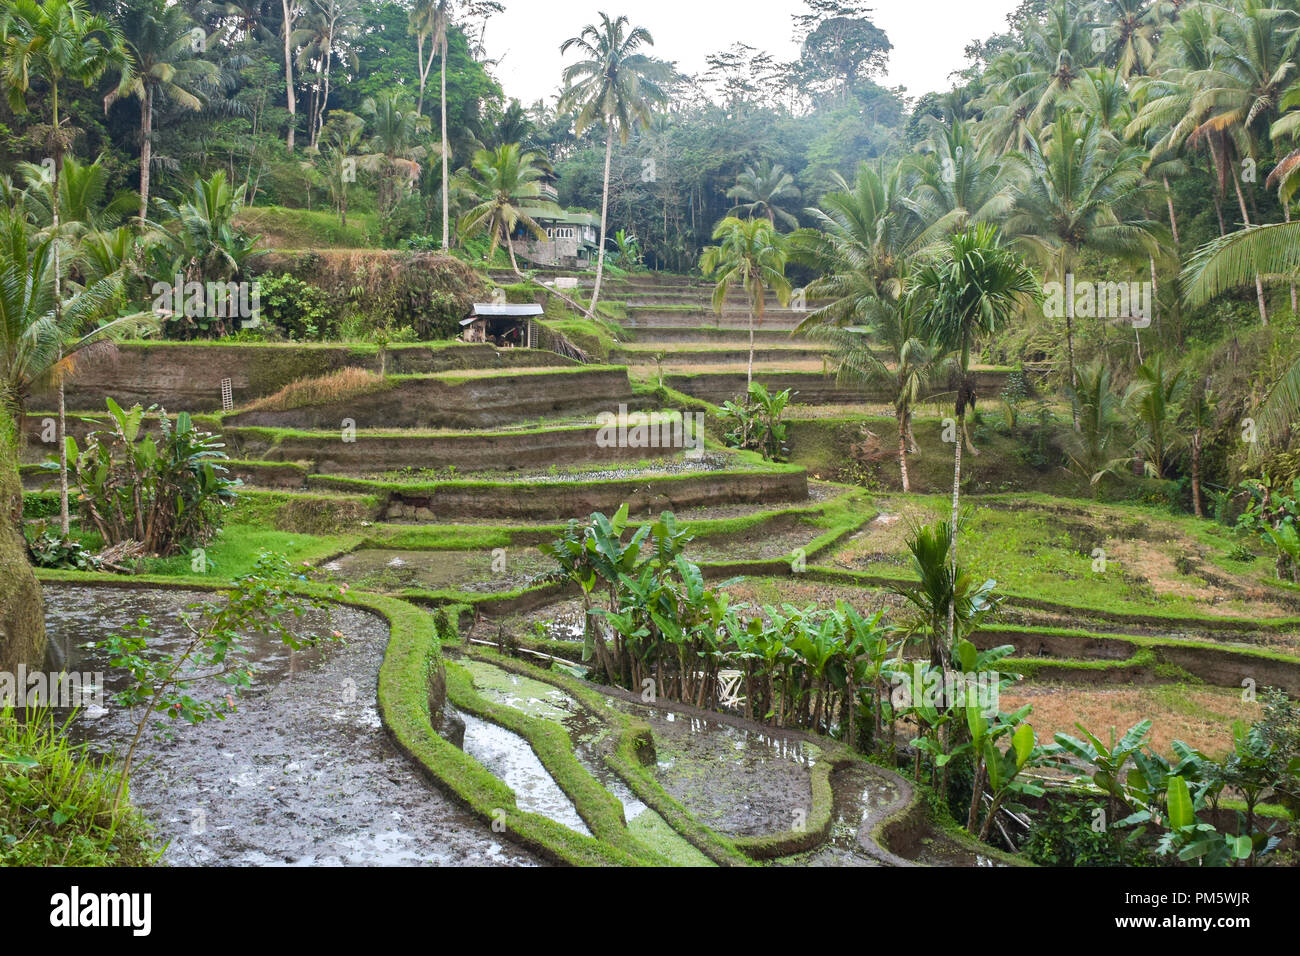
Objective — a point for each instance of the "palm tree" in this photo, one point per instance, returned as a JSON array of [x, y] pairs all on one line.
[[340, 140], [613, 84], [752, 254], [59, 42], [1154, 399], [430, 20], [762, 192], [1131, 34], [971, 291], [1094, 449], [911, 363], [39, 332], [200, 240], [1232, 261], [954, 183], [1073, 195], [867, 234], [160, 38], [325, 37], [394, 144], [503, 179]]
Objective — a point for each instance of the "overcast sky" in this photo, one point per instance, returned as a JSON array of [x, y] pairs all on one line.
[[928, 35]]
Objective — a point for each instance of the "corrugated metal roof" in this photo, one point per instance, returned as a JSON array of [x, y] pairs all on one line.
[[493, 310]]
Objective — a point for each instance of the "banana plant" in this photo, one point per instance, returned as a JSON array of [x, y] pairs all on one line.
[[1108, 762]]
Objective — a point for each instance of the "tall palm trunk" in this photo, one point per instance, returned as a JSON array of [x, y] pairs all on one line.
[[1069, 337], [290, 100], [1245, 218], [446, 234], [604, 216], [64, 518], [952, 549], [1196, 474], [146, 147], [1169, 201], [902, 447]]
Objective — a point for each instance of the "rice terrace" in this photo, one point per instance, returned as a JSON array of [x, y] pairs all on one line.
[[428, 442]]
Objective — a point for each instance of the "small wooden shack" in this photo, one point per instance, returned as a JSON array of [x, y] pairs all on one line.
[[506, 326]]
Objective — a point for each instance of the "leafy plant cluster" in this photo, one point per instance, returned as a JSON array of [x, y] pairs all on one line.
[[755, 422], [164, 493]]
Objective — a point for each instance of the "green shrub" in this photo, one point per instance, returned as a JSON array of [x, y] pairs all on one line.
[[1063, 834], [294, 307]]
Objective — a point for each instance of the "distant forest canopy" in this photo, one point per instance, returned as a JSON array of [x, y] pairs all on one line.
[[822, 113]]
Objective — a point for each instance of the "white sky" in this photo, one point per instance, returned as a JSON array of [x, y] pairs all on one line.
[[928, 35]]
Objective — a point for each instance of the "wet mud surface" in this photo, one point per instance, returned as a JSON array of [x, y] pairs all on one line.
[[302, 774]]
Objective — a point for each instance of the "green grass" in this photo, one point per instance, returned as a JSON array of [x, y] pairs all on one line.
[[57, 802], [284, 228]]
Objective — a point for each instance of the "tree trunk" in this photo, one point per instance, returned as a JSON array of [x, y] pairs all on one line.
[[902, 449], [749, 369], [604, 215], [1245, 218], [446, 234], [1173, 220], [956, 503], [290, 100], [1196, 474], [1069, 338], [146, 148]]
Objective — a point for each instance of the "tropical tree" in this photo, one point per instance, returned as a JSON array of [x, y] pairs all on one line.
[[394, 145], [340, 141], [330, 26], [613, 84], [503, 180], [751, 254], [161, 38], [430, 21], [1095, 448], [39, 335], [1232, 261], [971, 291], [1073, 195], [58, 42], [763, 192], [1153, 400]]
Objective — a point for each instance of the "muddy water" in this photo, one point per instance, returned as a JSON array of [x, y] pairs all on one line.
[[511, 758], [302, 774], [592, 740], [739, 782], [383, 569], [858, 792]]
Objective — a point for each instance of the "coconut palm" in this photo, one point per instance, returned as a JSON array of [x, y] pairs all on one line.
[[160, 37], [955, 184], [394, 145], [971, 291], [1075, 189], [58, 42], [430, 20], [1232, 261], [1154, 402], [331, 24], [507, 183], [613, 84], [39, 334], [1096, 448], [763, 191], [893, 351], [1131, 31], [751, 254]]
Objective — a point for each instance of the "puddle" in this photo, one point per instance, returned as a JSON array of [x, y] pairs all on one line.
[[512, 760], [858, 793], [739, 782], [302, 774], [591, 741]]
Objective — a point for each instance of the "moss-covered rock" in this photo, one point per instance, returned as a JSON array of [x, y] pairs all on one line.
[[22, 614]]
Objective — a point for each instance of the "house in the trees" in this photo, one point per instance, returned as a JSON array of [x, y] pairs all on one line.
[[572, 238]]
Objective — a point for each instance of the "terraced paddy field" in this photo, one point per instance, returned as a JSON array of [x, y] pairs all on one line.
[[425, 503]]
